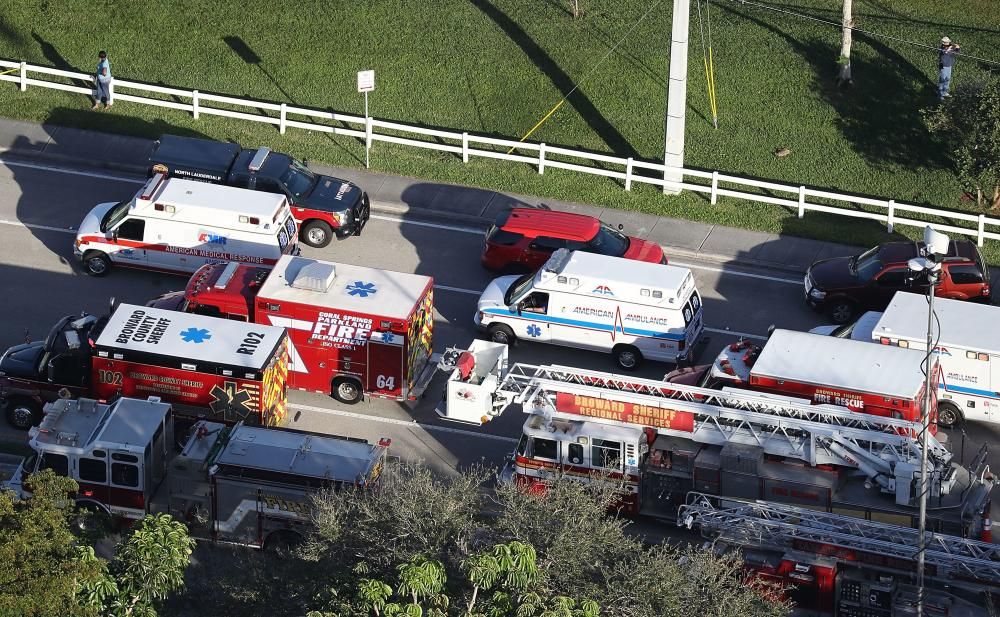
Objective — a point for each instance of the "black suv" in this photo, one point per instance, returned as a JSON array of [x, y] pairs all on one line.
[[844, 286]]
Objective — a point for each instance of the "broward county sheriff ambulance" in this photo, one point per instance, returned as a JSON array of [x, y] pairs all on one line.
[[176, 225], [633, 309]]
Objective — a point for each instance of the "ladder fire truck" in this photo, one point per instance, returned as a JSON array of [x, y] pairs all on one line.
[[666, 441]]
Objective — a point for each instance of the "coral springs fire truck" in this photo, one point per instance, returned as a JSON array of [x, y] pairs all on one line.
[[666, 442], [884, 381], [353, 329], [208, 368], [238, 484]]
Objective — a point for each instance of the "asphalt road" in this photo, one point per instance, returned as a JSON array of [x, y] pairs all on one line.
[[40, 207]]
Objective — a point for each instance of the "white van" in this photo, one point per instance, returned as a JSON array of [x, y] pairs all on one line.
[[633, 309], [968, 350], [177, 225]]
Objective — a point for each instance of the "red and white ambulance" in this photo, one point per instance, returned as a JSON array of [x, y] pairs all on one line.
[[177, 225], [353, 329], [825, 369]]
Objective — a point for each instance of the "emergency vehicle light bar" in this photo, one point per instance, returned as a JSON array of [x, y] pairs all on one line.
[[258, 159], [151, 185], [227, 275]]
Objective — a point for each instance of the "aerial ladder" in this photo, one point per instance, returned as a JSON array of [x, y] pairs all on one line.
[[962, 567], [887, 450]]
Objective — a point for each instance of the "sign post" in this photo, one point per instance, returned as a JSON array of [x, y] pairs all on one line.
[[366, 83]]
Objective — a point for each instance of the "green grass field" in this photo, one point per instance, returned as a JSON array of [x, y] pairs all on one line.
[[496, 67]]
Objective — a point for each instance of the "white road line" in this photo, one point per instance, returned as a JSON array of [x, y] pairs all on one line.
[[34, 226], [381, 217], [72, 172], [764, 277], [394, 219], [471, 292], [736, 333], [409, 424]]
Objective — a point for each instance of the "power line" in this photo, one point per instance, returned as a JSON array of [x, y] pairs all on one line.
[[840, 26]]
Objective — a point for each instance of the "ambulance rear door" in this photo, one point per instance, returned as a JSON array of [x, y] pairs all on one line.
[[386, 359]]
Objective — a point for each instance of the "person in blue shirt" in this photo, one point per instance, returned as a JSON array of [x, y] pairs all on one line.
[[103, 82], [946, 59]]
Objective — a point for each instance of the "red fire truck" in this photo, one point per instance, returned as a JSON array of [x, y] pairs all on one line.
[[208, 368], [850, 479], [353, 329], [825, 369], [238, 484]]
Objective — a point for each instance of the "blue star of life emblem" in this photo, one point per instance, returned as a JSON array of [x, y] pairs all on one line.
[[360, 288], [195, 335], [387, 337], [534, 330]]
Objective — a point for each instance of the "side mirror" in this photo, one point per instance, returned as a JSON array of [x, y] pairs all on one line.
[[621, 227], [515, 308]]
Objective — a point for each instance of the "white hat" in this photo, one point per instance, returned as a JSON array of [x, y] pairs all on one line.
[[945, 40]]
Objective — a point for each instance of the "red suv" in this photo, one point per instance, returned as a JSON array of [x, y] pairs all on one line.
[[524, 238], [845, 286]]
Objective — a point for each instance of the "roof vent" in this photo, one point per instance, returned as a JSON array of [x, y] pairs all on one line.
[[315, 276]]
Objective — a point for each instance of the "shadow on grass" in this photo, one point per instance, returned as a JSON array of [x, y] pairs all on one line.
[[880, 115], [559, 78]]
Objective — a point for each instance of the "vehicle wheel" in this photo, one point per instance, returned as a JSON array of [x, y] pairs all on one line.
[[92, 521], [316, 234], [282, 544], [500, 333], [841, 311], [23, 413], [949, 415], [96, 264], [347, 390], [627, 357]]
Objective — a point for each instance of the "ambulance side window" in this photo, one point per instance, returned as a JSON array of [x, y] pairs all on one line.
[[537, 302], [131, 229]]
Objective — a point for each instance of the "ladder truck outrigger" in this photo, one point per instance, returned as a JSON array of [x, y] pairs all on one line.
[[671, 442]]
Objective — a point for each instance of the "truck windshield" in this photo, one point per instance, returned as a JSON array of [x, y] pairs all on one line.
[[114, 215], [867, 265], [518, 288], [609, 242], [297, 178]]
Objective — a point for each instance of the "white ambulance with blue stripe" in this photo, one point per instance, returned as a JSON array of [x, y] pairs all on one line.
[[635, 310], [968, 349]]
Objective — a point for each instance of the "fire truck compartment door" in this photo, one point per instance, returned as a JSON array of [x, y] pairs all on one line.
[[385, 367]]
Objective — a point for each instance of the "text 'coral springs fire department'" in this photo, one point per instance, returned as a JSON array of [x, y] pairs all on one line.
[[835, 490], [353, 329]]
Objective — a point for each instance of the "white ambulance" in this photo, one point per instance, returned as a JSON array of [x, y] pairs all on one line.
[[177, 225], [633, 309], [968, 350]]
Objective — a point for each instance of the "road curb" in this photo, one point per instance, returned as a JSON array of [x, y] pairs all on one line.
[[394, 208]]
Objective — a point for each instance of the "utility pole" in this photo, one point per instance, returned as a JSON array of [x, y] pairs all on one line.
[[844, 73], [673, 155]]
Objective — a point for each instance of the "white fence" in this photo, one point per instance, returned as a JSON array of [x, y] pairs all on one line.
[[540, 155]]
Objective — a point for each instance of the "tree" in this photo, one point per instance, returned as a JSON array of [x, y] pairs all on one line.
[[844, 61], [148, 566], [44, 567], [968, 125]]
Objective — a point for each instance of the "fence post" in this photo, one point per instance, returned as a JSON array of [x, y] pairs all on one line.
[[368, 134], [465, 147], [281, 120], [802, 201], [892, 215], [715, 188], [982, 229], [194, 103], [24, 76], [628, 174], [541, 158]]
